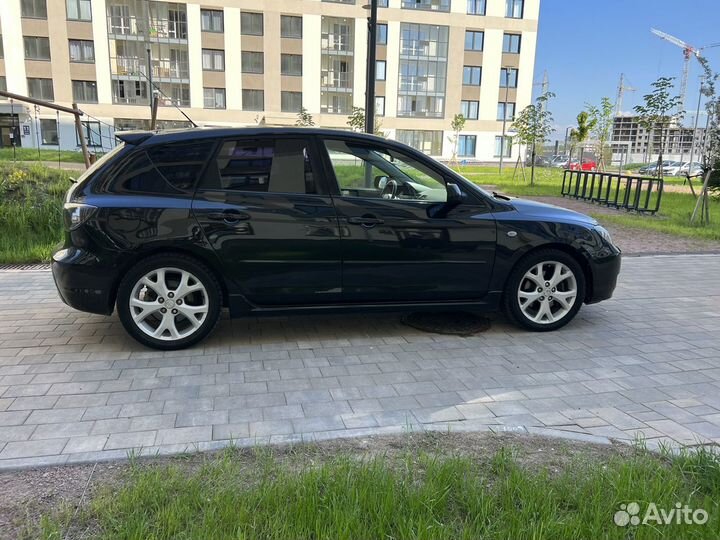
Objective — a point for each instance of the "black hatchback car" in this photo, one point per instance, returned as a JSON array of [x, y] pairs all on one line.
[[172, 227]]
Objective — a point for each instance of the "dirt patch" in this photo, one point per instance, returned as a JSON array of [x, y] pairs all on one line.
[[28, 494], [633, 240]]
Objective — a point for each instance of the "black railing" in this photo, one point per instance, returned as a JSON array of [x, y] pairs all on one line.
[[639, 193]]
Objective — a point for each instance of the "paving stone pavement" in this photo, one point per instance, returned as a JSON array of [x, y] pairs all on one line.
[[75, 388]]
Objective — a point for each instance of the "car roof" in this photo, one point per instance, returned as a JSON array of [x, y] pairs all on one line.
[[194, 134]]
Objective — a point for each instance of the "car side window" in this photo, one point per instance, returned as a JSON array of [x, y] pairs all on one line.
[[369, 171], [265, 166], [170, 169]]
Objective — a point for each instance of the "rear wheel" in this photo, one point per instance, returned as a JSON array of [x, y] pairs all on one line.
[[169, 302], [545, 290]]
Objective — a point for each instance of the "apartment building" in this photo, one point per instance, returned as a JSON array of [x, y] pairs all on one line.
[[248, 62]]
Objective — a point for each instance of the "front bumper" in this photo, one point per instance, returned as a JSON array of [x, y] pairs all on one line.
[[83, 282], [605, 271]]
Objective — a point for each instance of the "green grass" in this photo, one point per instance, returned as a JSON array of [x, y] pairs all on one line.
[[31, 154], [673, 218], [409, 496], [31, 198]]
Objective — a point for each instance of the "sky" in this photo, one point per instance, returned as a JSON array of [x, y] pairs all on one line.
[[584, 45]]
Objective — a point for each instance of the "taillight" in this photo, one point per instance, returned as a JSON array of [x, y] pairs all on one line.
[[77, 214]]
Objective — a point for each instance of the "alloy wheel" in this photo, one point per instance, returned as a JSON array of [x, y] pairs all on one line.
[[547, 292]]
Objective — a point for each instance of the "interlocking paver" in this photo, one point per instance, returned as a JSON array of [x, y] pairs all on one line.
[[74, 387]]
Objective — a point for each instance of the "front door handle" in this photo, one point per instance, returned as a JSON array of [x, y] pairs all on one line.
[[228, 216], [366, 221]]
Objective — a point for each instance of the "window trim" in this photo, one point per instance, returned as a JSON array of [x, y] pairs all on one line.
[[482, 39], [262, 23], [36, 17], [222, 20], [214, 53], [79, 19], [294, 17], [48, 59], [81, 41], [479, 83]]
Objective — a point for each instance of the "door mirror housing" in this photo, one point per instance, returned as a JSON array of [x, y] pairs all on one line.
[[381, 182], [454, 194]]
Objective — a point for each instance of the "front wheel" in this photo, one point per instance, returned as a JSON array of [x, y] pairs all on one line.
[[545, 290], [169, 302]]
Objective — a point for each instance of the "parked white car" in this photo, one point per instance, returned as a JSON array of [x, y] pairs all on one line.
[[673, 168], [693, 169]]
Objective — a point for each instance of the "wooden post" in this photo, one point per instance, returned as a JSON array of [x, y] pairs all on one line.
[[153, 118], [81, 136]]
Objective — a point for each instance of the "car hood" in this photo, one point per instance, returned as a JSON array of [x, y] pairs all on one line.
[[550, 212]]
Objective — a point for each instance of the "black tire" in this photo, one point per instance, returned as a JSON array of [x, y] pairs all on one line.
[[175, 261], [512, 286]]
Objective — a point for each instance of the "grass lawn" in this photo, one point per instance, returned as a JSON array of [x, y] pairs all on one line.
[[31, 199], [31, 154], [411, 493], [673, 218]]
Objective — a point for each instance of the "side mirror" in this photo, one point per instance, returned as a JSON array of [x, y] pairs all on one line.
[[381, 182], [454, 194]]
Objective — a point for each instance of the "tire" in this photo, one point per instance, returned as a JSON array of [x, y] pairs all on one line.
[[147, 296], [525, 307]]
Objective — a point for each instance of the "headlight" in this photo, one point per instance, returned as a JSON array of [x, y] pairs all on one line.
[[602, 231]]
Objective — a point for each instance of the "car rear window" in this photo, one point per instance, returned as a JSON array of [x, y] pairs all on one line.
[[163, 170]]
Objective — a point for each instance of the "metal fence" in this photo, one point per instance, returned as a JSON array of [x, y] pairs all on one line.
[[639, 193]]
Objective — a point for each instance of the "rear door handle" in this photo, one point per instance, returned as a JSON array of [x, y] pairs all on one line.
[[366, 221], [228, 216]]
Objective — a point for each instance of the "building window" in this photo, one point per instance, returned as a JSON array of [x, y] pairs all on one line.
[[3, 86], [33, 9], [93, 136], [380, 105], [290, 101], [474, 40], [427, 5], [476, 7], [214, 98], [85, 91], [504, 149], [381, 35], [508, 78], [466, 145], [252, 62], [213, 60], [472, 75], [49, 132], [41, 89], [336, 65], [130, 92], [251, 24], [506, 111], [290, 26], [291, 64], [469, 109], [211, 20], [429, 142], [511, 43], [422, 70], [514, 8], [82, 50], [382, 3], [380, 66], [37, 48], [79, 10], [253, 100]]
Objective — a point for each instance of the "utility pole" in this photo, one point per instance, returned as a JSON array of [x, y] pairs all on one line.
[[504, 125], [692, 144], [150, 80], [370, 73]]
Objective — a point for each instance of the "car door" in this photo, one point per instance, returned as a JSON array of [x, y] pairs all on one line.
[[401, 241], [264, 208]]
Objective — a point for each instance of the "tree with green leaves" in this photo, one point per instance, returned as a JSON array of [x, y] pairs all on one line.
[[603, 118], [457, 125], [655, 114], [711, 150], [304, 118], [356, 121], [533, 127], [581, 133]]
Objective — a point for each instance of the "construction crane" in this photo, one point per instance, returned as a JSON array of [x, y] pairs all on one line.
[[621, 92], [688, 52]]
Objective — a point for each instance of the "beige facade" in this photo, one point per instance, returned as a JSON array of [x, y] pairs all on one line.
[[243, 62]]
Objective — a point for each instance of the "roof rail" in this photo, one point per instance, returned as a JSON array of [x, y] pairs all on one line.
[[134, 137]]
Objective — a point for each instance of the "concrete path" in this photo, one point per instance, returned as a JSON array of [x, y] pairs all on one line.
[[74, 387]]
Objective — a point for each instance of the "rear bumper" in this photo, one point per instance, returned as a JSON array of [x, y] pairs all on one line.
[[605, 271], [83, 282]]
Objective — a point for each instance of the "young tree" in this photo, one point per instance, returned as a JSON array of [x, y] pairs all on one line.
[[533, 127], [457, 125], [304, 118], [603, 118], [581, 133], [711, 150], [655, 113], [356, 121]]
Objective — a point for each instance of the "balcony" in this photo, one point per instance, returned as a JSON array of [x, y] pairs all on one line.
[[337, 43], [161, 68], [132, 27], [336, 81]]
